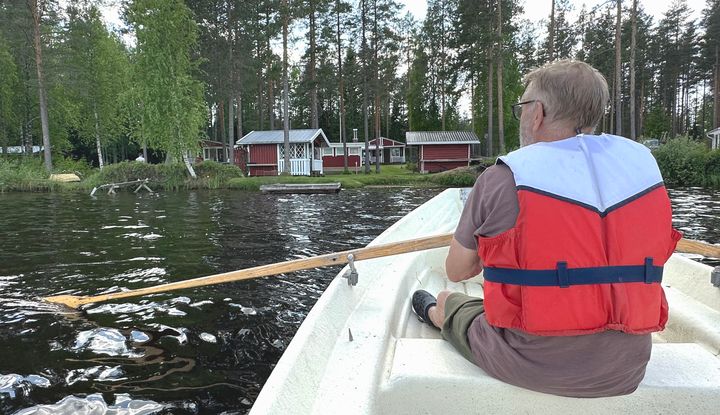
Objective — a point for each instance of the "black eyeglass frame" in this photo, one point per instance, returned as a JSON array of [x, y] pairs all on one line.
[[517, 108]]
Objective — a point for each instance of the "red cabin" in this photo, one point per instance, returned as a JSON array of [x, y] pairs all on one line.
[[262, 153], [442, 150]]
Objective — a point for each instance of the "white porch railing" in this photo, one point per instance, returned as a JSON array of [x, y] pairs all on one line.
[[298, 167], [318, 166], [397, 159]]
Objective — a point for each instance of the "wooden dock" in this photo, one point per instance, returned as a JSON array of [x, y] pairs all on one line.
[[301, 188], [142, 184]]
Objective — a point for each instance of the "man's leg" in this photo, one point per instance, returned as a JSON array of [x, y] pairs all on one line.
[[437, 312]]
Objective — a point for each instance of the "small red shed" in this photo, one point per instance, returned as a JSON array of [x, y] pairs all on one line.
[[334, 159], [442, 150], [262, 153]]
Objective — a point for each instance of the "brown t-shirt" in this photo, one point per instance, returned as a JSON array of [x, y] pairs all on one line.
[[609, 363]]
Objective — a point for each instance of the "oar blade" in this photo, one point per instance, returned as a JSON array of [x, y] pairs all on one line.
[[71, 301]]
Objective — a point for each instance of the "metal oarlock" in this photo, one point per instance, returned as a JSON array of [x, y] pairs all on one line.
[[351, 274]]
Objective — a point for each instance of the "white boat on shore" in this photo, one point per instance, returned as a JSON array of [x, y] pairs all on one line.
[[362, 351]]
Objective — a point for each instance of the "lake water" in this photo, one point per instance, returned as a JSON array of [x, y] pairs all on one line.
[[204, 350]]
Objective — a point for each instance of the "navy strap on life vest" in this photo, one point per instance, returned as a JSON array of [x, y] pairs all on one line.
[[564, 277]]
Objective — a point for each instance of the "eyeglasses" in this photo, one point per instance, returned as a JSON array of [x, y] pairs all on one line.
[[517, 108]]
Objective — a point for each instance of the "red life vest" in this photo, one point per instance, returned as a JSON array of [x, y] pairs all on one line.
[[586, 253]]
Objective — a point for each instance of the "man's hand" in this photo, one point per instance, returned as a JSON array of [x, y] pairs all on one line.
[[462, 263]]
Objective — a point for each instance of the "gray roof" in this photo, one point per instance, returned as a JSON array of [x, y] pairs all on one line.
[[713, 132], [277, 137], [441, 137]]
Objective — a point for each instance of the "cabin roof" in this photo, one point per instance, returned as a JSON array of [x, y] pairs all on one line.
[[277, 137], [715, 132], [441, 137]]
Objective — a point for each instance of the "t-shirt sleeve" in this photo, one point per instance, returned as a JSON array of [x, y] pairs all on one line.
[[491, 209]]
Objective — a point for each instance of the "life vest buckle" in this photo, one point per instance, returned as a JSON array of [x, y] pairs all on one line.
[[562, 274], [648, 270]]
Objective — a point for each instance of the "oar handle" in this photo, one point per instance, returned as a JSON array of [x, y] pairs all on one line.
[[337, 258]]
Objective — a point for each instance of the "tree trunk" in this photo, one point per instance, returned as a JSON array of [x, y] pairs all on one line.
[[97, 138], [286, 111], [35, 10], [271, 108], [260, 103], [313, 82], [641, 113], [231, 106], [221, 115], [703, 105], [239, 116], [388, 109], [442, 67], [376, 65], [343, 136], [188, 165], [716, 90], [490, 108], [363, 52], [472, 101], [551, 35], [618, 75], [501, 120], [633, 44], [231, 129]]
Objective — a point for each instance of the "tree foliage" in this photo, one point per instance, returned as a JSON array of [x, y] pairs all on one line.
[[168, 96]]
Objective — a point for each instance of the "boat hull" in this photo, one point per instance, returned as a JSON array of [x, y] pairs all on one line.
[[392, 364]]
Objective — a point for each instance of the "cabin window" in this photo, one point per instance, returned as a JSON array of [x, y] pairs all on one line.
[[353, 151], [297, 151], [327, 151], [339, 151], [395, 152]]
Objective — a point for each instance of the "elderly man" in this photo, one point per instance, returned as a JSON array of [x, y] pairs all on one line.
[[572, 231]]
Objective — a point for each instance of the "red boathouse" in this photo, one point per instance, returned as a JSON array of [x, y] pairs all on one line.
[[442, 150]]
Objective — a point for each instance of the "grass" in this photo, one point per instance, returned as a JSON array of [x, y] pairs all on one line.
[[28, 174], [390, 175]]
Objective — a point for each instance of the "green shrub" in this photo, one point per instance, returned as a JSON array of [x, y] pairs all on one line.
[[712, 169], [682, 162], [68, 165], [216, 175], [454, 179], [24, 174]]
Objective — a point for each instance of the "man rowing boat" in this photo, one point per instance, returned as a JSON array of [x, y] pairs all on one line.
[[572, 231]]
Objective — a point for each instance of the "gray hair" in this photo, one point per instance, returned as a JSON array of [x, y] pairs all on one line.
[[571, 91]]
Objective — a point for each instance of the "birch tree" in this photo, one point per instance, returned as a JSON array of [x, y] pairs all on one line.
[[99, 73], [173, 108]]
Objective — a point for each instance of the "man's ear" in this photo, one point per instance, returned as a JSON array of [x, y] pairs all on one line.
[[538, 117]]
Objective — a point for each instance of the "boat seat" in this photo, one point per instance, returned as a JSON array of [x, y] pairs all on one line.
[[428, 376]]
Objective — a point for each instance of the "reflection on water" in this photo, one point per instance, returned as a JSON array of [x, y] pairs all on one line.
[[203, 350], [696, 213]]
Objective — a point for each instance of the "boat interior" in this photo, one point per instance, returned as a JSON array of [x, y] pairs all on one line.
[[362, 350]]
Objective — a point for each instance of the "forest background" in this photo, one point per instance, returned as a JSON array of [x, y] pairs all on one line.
[[215, 69]]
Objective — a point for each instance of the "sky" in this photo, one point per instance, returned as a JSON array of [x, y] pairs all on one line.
[[540, 9], [535, 10]]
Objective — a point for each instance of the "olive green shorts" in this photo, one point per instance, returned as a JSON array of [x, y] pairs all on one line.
[[460, 311]]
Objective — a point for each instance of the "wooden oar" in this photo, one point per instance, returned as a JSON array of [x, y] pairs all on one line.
[[696, 247], [337, 258]]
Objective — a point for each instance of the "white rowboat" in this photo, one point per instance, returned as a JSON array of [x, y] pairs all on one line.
[[362, 351]]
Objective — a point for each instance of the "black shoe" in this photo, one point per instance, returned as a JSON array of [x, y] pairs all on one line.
[[421, 303]]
